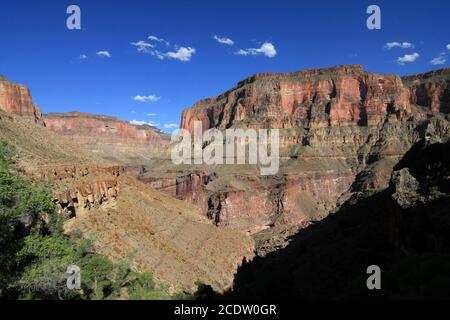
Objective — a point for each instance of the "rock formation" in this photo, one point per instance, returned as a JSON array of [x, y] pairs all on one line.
[[123, 216], [86, 127], [16, 99], [339, 96], [110, 137], [408, 239], [342, 130], [430, 90]]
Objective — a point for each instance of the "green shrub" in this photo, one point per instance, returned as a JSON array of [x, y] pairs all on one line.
[[97, 275], [35, 253], [145, 288]]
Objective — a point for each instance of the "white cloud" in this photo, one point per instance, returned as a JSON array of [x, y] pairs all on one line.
[[133, 112], [401, 45], [183, 54], [161, 40], [150, 98], [266, 49], [170, 126], [144, 123], [408, 58], [150, 114], [223, 40], [142, 46], [440, 60], [105, 54], [179, 53], [448, 47], [83, 56]]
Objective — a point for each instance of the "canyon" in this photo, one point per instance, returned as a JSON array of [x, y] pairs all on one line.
[[126, 219], [403, 230], [343, 131]]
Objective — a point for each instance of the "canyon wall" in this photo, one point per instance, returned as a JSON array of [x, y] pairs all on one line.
[[344, 95], [86, 127], [113, 139], [430, 90], [342, 130], [16, 99]]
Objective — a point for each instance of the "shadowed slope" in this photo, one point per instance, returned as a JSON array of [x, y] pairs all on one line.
[[404, 230]]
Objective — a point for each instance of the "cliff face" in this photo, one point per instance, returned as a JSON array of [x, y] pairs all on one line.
[[343, 95], [16, 99], [113, 139], [85, 127], [342, 130], [403, 230], [430, 90]]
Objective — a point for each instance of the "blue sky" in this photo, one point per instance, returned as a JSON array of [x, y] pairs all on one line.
[[38, 50]]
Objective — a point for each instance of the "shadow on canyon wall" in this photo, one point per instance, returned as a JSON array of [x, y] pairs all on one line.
[[405, 230]]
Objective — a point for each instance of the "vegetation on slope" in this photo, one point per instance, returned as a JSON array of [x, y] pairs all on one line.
[[36, 253]]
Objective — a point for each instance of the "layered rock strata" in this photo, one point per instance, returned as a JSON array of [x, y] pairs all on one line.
[[342, 130]]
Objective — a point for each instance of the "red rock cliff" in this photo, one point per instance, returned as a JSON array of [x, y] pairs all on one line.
[[317, 98], [16, 99], [342, 131], [431, 90], [86, 128]]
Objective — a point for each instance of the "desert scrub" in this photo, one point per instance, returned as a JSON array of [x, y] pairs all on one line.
[[35, 253]]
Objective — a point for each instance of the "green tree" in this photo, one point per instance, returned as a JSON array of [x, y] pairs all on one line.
[[35, 253]]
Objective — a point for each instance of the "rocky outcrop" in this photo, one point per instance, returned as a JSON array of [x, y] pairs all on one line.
[[76, 171], [81, 187], [16, 99], [423, 175], [80, 198]]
